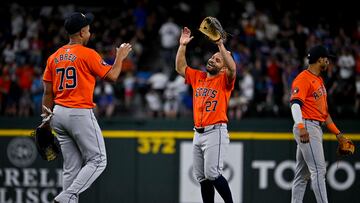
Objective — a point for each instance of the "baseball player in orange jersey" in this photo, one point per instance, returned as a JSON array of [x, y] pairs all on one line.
[[309, 110], [211, 94], [69, 81]]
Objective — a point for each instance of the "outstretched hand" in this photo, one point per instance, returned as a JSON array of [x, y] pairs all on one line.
[[185, 37], [123, 51]]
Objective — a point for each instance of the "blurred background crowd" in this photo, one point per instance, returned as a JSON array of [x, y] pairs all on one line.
[[269, 45]]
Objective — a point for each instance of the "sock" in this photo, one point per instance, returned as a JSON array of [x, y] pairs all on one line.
[[223, 188], [207, 191]]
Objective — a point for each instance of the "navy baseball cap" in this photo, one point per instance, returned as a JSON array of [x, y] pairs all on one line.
[[317, 52], [75, 21]]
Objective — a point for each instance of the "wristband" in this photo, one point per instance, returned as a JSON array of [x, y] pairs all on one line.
[[338, 136], [300, 125], [332, 128]]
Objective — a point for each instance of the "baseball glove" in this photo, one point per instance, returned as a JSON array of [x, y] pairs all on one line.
[[46, 142], [346, 147], [212, 29]]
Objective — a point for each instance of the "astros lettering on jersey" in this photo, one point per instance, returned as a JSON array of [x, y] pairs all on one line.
[[208, 96], [309, 90]]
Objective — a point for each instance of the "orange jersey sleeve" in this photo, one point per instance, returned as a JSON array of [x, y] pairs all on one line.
[[73, 70], [210, 96], [309, 90]]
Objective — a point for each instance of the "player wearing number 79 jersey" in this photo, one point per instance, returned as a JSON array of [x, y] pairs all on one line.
[[73, 69], [69, 82]]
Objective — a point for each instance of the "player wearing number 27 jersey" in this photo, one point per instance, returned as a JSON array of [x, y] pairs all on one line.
[[210, 98], [211, 94], [69, 82]]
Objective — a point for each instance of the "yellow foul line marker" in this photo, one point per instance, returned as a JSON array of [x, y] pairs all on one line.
[[181, 134]]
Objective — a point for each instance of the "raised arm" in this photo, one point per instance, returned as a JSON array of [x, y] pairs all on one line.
[[228, 60], [180, 63], [121, 53]]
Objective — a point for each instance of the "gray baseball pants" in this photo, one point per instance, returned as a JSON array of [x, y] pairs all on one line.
[[209, 150], [310, 164], [83, 150]]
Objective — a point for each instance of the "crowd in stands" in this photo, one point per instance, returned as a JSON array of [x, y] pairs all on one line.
[[269, 49]]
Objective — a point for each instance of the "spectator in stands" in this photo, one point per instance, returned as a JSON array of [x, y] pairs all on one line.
[[172, 96], [32, 33], [345, 87], [25, 105], [129, 89], [5, 83], [158, 81], [12, 103], [37, 92], [289, 73], [8, 53], [274, 74], [142, 87], [105, 99], [239, 103], [171, 104], [36, 45], [154, 104], [140, 15], [169, 34]]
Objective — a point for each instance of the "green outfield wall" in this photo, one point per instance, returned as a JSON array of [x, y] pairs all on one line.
[[150, 161]]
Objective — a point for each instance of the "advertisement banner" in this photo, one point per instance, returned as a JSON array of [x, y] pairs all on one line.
[[24, 177], [156, 166]]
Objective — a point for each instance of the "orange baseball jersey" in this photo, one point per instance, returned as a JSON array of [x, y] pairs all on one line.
[[73, 69], [309, 90], [210, 96]]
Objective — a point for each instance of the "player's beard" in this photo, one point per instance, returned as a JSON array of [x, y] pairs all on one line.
[[323, 68], [213, 69]]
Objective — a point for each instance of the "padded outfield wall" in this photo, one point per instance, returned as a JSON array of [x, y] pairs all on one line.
[[150, 161]]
